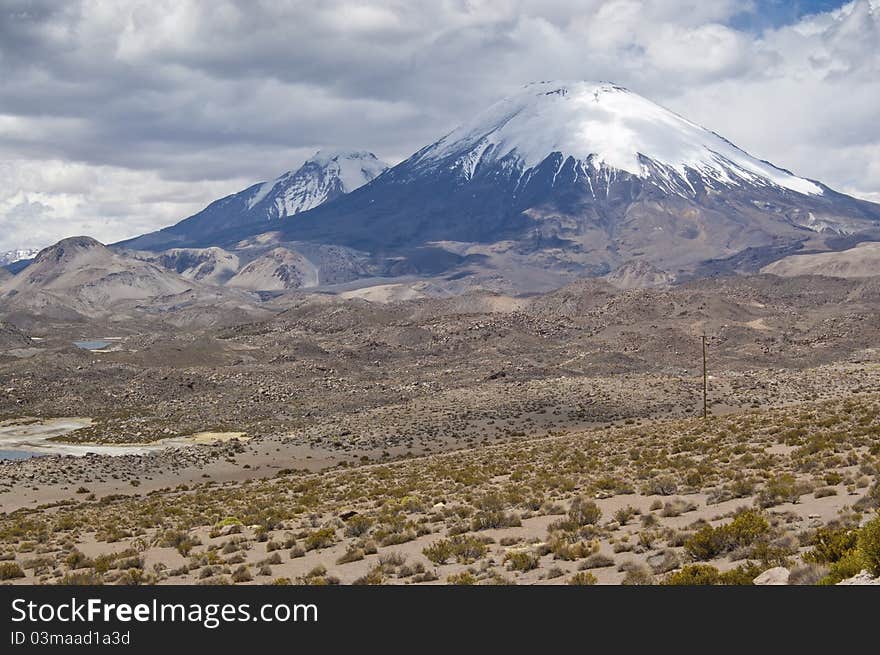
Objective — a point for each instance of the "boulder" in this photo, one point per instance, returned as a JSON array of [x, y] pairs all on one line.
[[775, 576]]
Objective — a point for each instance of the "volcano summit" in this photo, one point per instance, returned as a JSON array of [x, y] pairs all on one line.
[[563, 180]]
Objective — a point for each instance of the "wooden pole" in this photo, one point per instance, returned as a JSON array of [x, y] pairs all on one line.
[[705, 382]]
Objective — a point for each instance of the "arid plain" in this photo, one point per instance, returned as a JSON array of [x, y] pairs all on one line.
[[483, 439]]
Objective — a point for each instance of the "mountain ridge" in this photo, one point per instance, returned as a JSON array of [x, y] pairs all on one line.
[[558, 181], [261, 207]]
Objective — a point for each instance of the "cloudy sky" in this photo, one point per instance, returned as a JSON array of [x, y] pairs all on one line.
[[117, 117]]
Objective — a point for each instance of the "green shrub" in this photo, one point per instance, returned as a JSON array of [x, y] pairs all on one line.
[[831, 544], [705, 574], [746, 528], [439, 551], [321, 538], [694, 574], [869, 545], [846, 567], [707, 543]]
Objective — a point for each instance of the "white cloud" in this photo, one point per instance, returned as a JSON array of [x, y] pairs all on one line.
[[119, 117]]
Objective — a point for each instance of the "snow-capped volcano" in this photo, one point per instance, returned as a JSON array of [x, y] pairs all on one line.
[[601, 125], [261, 207], [566, 179], [327, 175], [560, 180]]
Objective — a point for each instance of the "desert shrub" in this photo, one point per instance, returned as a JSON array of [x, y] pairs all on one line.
[[744, 530], [10, 571], [409, 570], [637, 575], [89, 578], [358, 526], [694, 574], [582, 578], [869, 545], [705, 574], [830, 544], [846, 567], [809, 574], [76, 560], [707, 543], [783, 488], [563, 548], [353, 554], [625, 514], [742, 575], [273, 559], [439, 551], [463, 578], [664, 485], [375, 576], [427, 576], [597, 561], [317, 577], [521, 560], [320, 538], [180, 540], [39, 563], [242, 574], [677, 507], [664, 561], [584, 512], [464, 548], [494, 520]]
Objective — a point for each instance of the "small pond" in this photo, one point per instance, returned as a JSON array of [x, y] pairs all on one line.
[[91, 345]]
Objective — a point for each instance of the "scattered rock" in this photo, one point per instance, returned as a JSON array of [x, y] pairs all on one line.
[[776, 576], [863, 578]]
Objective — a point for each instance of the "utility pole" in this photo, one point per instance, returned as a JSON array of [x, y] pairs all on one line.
[[705, 382]]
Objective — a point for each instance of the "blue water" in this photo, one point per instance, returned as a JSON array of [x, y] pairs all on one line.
[[91, 345], [16, 454]]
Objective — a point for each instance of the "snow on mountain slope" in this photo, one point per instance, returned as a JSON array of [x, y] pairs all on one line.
[[17, 255], [601, 124], [322, 178]]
